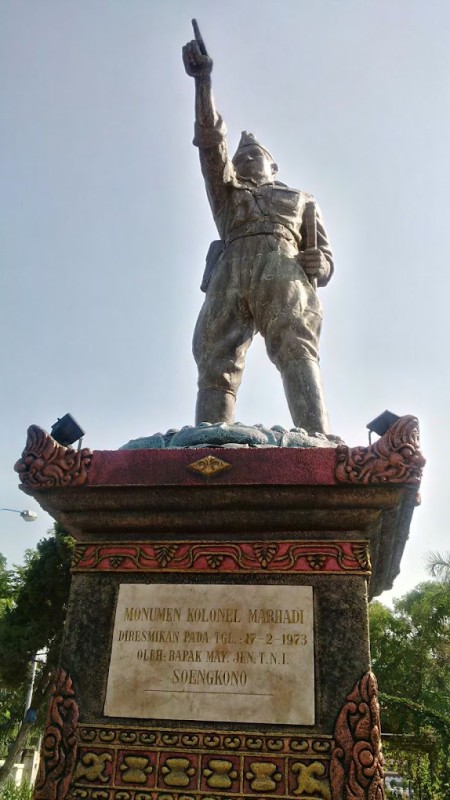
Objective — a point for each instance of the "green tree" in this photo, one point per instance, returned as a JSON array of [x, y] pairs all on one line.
[[8, 698], [6, 588], [410, 648], [31, 620]]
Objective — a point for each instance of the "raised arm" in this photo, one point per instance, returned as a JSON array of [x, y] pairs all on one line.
[[210, 131], [199, 66]]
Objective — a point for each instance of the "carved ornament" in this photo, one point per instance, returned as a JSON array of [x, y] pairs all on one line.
[[59, 746], [281, 557], [209, 466], [356, 767], [98, 736], [312, 780], [46, 464], [119, 763], [394, 458]]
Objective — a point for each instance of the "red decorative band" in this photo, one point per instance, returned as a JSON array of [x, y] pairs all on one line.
[[151, 764], [226, 557]]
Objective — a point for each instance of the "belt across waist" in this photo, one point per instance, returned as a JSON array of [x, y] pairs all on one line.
[[261, 228]]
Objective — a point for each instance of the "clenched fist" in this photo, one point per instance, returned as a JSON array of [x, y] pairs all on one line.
[[196, 64], [315, 264]]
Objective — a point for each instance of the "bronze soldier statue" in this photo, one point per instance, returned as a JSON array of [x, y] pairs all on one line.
[[262, 274]]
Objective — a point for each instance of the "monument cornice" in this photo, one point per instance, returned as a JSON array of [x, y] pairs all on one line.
[[394, 459], [343, 493]]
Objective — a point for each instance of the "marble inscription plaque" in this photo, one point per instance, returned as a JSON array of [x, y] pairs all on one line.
[[213, 652]]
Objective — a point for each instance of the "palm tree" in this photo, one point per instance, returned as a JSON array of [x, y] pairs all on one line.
[[438, 566]]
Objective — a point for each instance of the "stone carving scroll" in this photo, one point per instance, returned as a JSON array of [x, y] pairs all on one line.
[[59, 748], [46, 464], [356, 767], [394, 458]]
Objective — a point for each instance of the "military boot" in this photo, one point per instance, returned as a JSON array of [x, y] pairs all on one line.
[[303, 389], [214, 405]]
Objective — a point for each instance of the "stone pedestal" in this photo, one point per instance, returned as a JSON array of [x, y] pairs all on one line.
[[217, 635]]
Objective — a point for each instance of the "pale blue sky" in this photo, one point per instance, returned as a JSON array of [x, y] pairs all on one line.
[[104, 221]]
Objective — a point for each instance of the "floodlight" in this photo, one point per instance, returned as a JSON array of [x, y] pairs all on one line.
[[382, 423], [66, 430]]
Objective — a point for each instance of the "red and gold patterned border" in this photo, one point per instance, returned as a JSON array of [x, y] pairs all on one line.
[[151, 764], [226, 557], [107, 762], [207, 740]]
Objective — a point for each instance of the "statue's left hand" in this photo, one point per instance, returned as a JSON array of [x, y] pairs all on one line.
[[314, 263]]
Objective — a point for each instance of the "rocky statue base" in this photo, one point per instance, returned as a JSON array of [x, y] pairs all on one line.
[[222, 434], [216, 641]]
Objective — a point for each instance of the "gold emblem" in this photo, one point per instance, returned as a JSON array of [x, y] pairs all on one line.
[[219, 773], [91, 767], [135, 769], [264, 776], [312, 780], [209, 466], [177, 772]]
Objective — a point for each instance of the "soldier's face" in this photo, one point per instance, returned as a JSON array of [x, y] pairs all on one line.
[[252, 162]]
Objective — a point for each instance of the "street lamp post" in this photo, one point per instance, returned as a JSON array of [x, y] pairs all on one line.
[[28, 515]]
